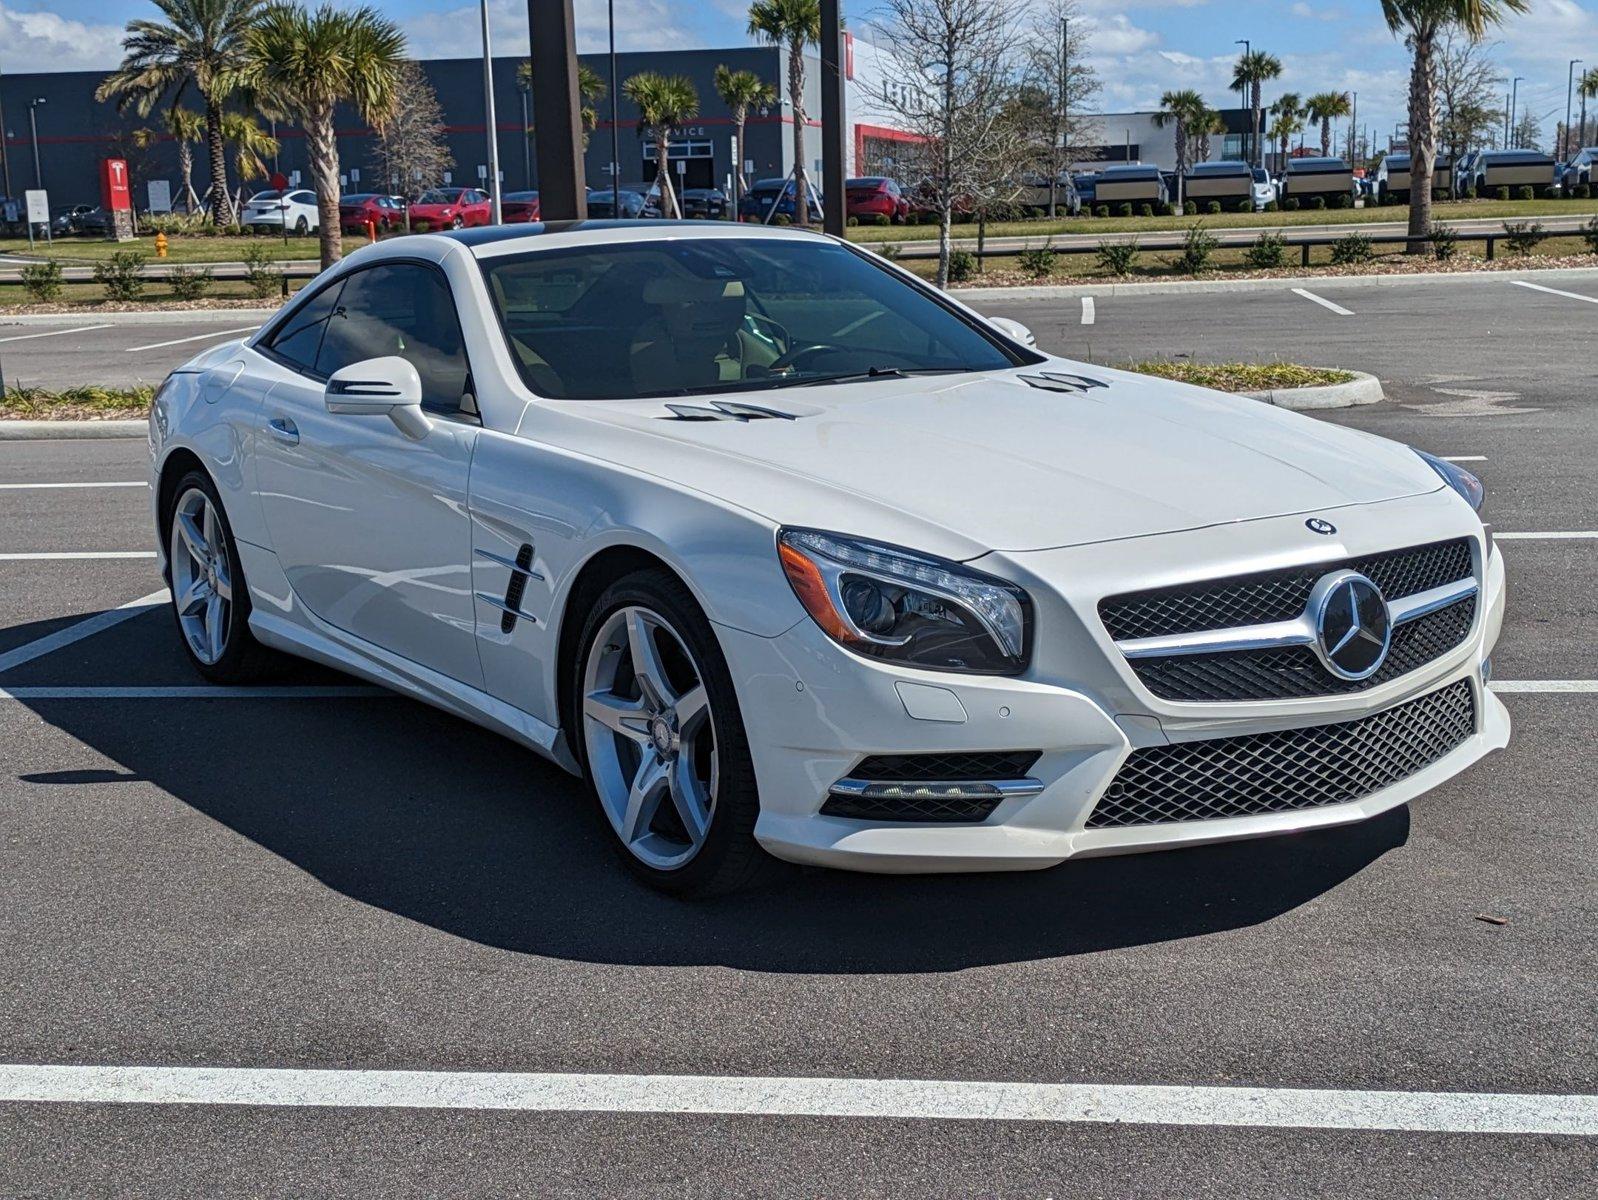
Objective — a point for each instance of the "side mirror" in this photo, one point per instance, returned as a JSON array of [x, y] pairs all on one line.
[[1013, 330], [388, 387]]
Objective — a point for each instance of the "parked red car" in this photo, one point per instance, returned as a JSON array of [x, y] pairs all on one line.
[[874, 196], [517, 207], [355, 211], [451, 208]]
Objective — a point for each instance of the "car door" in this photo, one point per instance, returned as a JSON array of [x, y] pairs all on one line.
[[369, 525]]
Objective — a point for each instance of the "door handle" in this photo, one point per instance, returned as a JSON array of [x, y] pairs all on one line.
[[284, 430]]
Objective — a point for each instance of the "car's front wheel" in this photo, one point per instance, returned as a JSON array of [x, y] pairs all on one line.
[[662, 739], [209, 600]]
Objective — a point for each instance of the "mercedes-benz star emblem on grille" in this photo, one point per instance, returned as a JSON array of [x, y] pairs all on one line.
[[1352, 626], [1317, 525]]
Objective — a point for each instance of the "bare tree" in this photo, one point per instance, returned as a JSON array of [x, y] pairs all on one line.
[[948, 81], [1058, 86], [409, 154], [1469, 85]]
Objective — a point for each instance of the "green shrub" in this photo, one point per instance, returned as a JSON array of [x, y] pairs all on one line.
[[261, 274], [1037, 261], [191, 224], [1444, 242], [1345, 200], [1525, 192], [962, 265], [1213, 207], [1468, 193], [1501, 193], [1589, 234], [189, 283], [1191, 208], [121, 274], [1290, 204], [1352, 248], [1198, 247], [1272, 206], [881, 219], [1118, 258], [1523, 236], [851, 221], [1267, 252], [421, 225], [1317, 202], [1145, 210], [1583, 191], [1101, 210], [890, 251], [1124, 209], [42, 281], [782, 219]]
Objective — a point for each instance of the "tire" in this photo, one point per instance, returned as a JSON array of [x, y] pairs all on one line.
[[231, 655], [301, 226], [456, 223], [714, 777]]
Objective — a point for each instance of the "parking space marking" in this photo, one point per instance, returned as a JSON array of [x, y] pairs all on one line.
[[1463, 457], [199, 337], [82, 629], [1323, 302], [881, 1099], [51, 555], [121, 483], [1089, 311], [195, 692], [1537, 287], [1571, 535], [23, 337], [1544, 685]]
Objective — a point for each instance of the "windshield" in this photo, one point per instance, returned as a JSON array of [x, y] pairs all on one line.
[[695, 316], [439, 196]]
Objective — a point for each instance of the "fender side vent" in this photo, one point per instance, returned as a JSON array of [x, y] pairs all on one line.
[[1061, 381], [725, 410], [515, 589]]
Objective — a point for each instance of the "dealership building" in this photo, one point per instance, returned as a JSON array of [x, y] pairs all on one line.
[[75, 131]]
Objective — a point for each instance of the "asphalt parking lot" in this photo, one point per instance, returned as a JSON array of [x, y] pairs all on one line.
[[67, 351], [314, 878]]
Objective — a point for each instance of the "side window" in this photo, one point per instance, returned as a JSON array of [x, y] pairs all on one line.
[[403, 309], [299, 339]]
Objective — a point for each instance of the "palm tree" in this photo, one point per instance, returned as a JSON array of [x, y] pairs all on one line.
[[1187, 111], [1420, 22], [590, 91], [186, 127], [794, 24], [1326, 107], [1251, 71], [252, 147], [1209, 125], [302, 64], [200, 43], [740, 91], [664, 102], [1287, 110], [1587, 88]]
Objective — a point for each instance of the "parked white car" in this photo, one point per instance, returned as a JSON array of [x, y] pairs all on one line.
[[781, 548], [1264, 188], [294, 210]]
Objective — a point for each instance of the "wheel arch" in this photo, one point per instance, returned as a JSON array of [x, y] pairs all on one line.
[[178, 463]]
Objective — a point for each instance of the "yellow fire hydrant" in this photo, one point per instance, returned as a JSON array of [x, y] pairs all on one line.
[[160, 245]]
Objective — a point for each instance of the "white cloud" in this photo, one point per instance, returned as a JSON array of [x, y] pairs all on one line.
[[44, 41], [457, 33]]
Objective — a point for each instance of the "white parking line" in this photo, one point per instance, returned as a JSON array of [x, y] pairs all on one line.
[[1544, 685], [1089, 312], [1463, 457], [881, 1099], [1572, 535], [49, 555], [1537, 287], [1322, 301], [75, 633], [17, 487], [22, 337], [199, 337], [194, 692]]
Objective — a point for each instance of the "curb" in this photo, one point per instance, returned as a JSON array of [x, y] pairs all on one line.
[[1362, 389], [1199, 286], [33, 431]]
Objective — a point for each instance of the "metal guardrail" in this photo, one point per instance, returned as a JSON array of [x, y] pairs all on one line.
[[1304, 245]]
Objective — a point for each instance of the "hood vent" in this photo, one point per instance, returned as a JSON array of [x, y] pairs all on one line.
[[725, 410], [1060, 381]]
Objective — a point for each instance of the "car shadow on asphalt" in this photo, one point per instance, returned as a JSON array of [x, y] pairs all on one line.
[[409, 810]]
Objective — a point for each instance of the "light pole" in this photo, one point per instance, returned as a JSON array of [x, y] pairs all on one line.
[[33, 127], [1353, 126], [1570, 86], [615, 133], [1253, 133], [5, 150], [527, 139], [1514, 108], [496, 216]]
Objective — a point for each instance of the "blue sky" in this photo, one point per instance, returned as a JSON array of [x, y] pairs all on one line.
[[1139, 48]]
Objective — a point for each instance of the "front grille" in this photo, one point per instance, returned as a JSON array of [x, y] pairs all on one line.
[[1276, 595], [1293, 672], [969, 809], [945, 768], [1287, 769]]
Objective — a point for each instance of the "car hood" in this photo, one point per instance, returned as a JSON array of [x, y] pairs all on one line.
[[965, 464]]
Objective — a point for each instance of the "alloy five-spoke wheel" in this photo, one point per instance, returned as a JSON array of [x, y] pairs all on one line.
[[202, 576], [650, 737]]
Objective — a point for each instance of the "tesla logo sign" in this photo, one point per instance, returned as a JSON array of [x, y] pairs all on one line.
[[115, 194]]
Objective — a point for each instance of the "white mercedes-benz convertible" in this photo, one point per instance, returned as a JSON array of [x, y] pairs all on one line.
[[781, 548]]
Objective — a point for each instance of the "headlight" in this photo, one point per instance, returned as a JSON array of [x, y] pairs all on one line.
[[1456, 477], [890, 603]]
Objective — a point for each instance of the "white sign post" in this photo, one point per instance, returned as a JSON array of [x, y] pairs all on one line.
[[160, 196], [38, 202]]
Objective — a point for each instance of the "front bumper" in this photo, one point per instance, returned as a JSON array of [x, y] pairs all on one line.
[[813, 711]]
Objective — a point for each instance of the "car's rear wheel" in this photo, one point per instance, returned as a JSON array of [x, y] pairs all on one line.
[[662, 739], [301, 225], [209, 599]]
